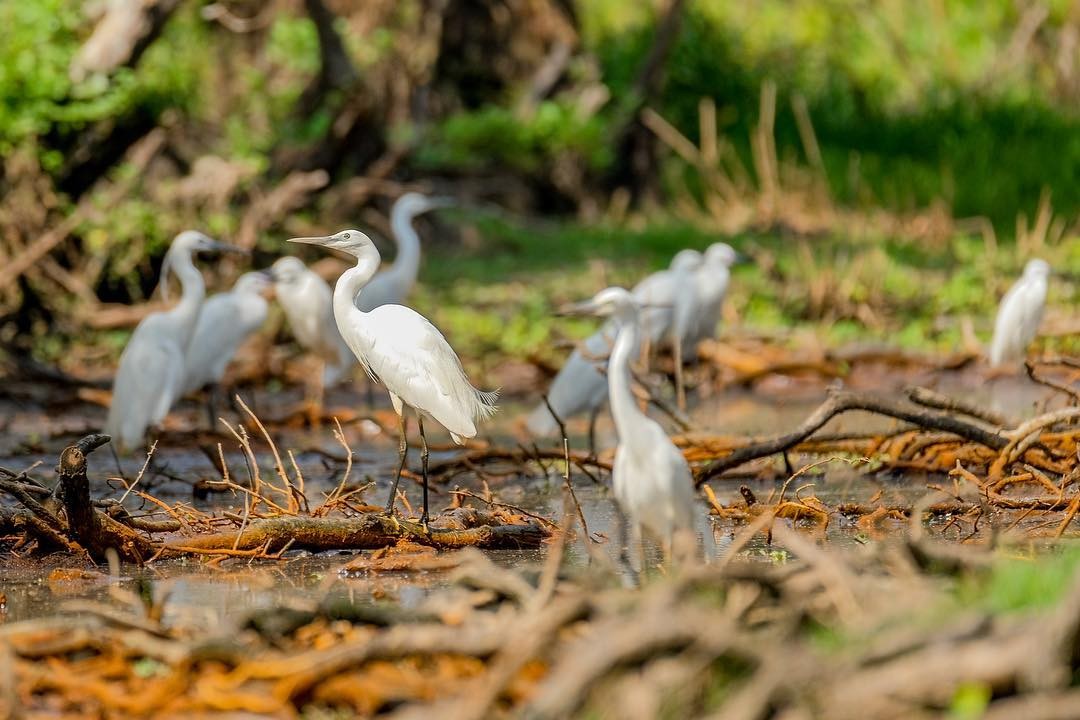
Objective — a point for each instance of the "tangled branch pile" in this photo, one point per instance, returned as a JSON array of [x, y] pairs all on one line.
[[729, 640]]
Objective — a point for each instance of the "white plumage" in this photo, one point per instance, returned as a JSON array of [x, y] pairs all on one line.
[[650, 477], [150, 377], [711, 281], [407, 353], [225, 321], [308, 304], [1019, 315]]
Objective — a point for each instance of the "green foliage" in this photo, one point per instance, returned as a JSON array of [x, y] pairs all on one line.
[[38, 41], [497, 136], [910, 103]]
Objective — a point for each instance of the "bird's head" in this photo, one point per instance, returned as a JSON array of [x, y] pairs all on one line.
[[186, 244], [287, 270], [606, 303], [353, 242], [192, 241], [1037, 268], [723, 255], [254, 283], [686, 260], [412, 204]]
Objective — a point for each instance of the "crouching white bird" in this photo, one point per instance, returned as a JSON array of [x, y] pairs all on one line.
[[1020, 313], [407, 353], [225, 321], [150, 377], [308, 304], [651, 479]]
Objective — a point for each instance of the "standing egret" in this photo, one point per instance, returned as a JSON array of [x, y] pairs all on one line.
[[579, 386], [407, 353], [308, 304], [1019, 315], [712, 283], [225, 321], [650, 477], [394, 284], [150, 377]]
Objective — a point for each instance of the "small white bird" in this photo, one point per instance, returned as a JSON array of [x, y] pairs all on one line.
[[1019, 315], [650, 477], [407, 353], [712, 281], [225, 321], [150, 377], [394, 284], [308, 304]]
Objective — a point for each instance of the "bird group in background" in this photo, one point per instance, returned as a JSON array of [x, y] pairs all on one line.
[[1019, 314], [151, 374], [680, 306]]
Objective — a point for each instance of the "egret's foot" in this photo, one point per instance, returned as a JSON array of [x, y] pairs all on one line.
[[424, 524]]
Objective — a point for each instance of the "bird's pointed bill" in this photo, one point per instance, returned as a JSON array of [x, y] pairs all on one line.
[[315, 240], [586, 307]]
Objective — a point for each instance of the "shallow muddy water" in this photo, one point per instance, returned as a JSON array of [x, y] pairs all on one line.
[[37, 429]]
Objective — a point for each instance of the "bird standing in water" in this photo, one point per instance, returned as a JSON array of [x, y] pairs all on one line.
[[225, 321], [407, 353], [650, 477], [1019, 315], [150, 377]]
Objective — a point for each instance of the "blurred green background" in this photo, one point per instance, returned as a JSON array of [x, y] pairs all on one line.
[[891, 164]]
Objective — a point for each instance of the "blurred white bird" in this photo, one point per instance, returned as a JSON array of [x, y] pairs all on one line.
[[712, 282], [1019, 315], [394, 284], [225, 321], [150, 377], [308, 304], [407, 353], [579, 386], [650, 477]]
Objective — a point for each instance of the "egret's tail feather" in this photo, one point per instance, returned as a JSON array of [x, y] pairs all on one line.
[[487, 402]]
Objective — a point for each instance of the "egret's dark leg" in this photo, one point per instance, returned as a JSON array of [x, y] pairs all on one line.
[[423, 465], [680, 389], [403, 449], [370, 393], [213, 396], [116, 457], [622, 537], [593, 414]]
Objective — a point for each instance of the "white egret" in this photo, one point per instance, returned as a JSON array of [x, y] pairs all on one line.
[[407, 353], [225, 321], [309, 309], [394, 284], [712, 283], [650, 477], [579, 386], [150, 377], [1020, 313]]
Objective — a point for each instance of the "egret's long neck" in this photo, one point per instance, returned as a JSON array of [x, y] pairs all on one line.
[[407, 262], [624, 408], [193, 291], [349, 286]]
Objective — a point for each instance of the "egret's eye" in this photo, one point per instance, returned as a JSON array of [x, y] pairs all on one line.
[[346, 236]]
